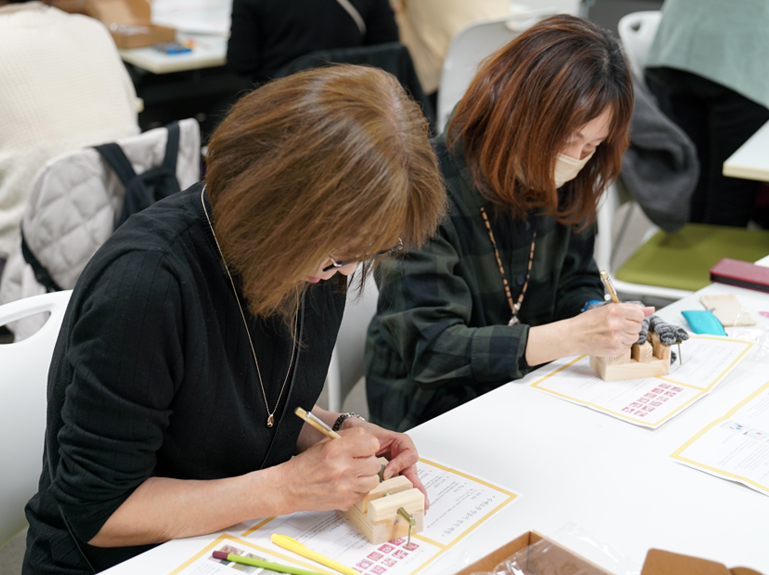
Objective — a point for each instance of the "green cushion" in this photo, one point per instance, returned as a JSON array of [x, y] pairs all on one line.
[[683, 259]]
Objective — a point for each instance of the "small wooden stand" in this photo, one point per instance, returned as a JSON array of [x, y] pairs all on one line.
[[377, 515], [644, 360]]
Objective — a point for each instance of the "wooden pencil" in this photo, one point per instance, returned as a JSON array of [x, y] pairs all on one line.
[[317, 423]]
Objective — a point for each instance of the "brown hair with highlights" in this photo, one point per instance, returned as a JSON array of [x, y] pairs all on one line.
[[328, 161], [524, 104]]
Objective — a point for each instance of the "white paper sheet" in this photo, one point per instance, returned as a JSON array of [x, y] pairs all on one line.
[[459, 504], [651, 401], [736, 446]]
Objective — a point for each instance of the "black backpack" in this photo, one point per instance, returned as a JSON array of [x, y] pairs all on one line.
[[141, 191]]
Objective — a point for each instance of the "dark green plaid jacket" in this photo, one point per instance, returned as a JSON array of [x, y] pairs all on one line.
[[440, 336]]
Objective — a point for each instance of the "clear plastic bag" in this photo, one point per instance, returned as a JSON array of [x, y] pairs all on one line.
[[758, 333]]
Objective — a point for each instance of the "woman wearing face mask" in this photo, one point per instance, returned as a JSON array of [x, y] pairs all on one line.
[[502, 286]]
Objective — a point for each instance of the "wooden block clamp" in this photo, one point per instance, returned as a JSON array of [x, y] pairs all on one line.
[[378, 517], [644, 360]]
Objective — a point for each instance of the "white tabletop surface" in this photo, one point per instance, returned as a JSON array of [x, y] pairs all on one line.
[[751, 160], [205, 22], [209, 50], [194, 16], [572, 464]]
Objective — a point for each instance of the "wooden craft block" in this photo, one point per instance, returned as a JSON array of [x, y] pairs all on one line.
[[394, 485], [661, 351], [384, 508], [377, 515], [620, 359], [643, 352], [644, 360]]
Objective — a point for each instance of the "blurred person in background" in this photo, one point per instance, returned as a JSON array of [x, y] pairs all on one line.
[[64, 87], [267, 35], [427, 27], [708, 68]]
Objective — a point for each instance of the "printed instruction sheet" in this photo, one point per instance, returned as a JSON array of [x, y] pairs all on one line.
[[459, 503], [735, 446], [650, 401]]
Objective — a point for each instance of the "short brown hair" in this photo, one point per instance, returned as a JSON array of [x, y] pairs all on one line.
[[328, 161], [524, 104]]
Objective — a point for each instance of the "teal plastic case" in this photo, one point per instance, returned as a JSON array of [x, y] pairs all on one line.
[[704, 322]]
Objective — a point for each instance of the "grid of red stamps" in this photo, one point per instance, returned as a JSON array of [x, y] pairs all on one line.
[[386, 557], [652, 400]]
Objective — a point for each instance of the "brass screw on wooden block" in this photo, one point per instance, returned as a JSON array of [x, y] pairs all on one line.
[[411, 521]]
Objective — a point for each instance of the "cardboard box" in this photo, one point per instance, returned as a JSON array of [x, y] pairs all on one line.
[[666, 563], [129, 22], [557, 560]]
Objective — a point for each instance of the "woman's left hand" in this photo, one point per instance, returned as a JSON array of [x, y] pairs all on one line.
[[398, 448]]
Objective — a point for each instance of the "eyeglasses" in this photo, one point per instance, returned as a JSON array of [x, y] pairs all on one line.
[[335, 265]]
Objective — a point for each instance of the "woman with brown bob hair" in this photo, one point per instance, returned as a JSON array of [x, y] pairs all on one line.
[[200, 326], [531, 146]]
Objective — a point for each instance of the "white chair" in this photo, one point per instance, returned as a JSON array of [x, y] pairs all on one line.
[[636, 32], [469, 47], [347, 363], [23, 388], [611, 241]]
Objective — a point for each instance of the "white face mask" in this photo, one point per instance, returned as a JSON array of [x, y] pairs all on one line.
[[567, 168]]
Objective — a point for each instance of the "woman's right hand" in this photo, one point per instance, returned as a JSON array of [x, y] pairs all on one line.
[[332, 474], [609, 330]]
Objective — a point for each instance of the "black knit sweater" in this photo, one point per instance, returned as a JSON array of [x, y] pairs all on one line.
[[267, 35], [153, 375]]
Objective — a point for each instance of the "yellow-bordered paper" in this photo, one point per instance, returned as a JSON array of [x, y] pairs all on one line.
[[735, 446], [649, 401], [459, 504]]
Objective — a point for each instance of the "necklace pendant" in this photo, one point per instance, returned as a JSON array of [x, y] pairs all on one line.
[[514, 321], [270, 420]]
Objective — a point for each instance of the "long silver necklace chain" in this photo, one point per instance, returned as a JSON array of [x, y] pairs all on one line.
[[270, 414]]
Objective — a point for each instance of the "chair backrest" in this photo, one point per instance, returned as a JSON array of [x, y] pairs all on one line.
[[636, 32], [75, 202], [617, 239], [23, 386], [613, 198], [77, 199], [469, 47], [347, 363]]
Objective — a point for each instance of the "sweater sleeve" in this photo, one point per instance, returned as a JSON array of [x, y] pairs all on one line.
[[425, 312], [125, 349], [580, 281]]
